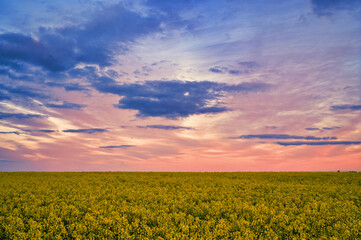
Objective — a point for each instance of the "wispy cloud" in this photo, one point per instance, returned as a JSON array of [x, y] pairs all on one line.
[[320, 129], [346, 107], [283, 136], [312, 129], [319, 143], [236, 72], [88, 130], [119, 146], [330, 128], [4, 115], [165, 127], [217, 69], [66, 105], [248, 64], [17, 133], [40, 131], [29, 131]]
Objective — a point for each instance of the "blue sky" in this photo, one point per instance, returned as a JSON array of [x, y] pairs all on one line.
[[189, 85]]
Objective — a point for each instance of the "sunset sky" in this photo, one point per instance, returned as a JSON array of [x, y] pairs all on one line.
[[203, 85]]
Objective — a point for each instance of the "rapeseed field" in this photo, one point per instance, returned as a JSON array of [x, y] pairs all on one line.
[[137, 205]]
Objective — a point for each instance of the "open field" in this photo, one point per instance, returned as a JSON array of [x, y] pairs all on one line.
[[123, 205]]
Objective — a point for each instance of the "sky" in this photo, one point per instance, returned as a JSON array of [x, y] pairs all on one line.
[[192, 85]]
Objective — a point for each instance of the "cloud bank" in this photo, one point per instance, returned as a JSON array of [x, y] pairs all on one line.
[[175, 99], [94, 42]]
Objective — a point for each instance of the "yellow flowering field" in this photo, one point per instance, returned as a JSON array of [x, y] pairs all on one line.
[[164, 205]]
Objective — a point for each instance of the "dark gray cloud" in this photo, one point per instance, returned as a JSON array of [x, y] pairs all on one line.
[[119, 146], [328, 7], [22, 74], [217, 69], [39, 131], [96, 41], [29, 131], [165, 127], [249, 64], [271, 127], [312, 129], [174, 99], [21, 92], [284, 136], [67, 105], [346, 107], [321, 129], [74, 87], [319, 143], [4, 115], [237, 72], [244, 69], [16, 47], [88, 130], [17, 133], [329, 128]]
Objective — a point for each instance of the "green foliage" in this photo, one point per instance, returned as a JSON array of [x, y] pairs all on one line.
[[124, 205]]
